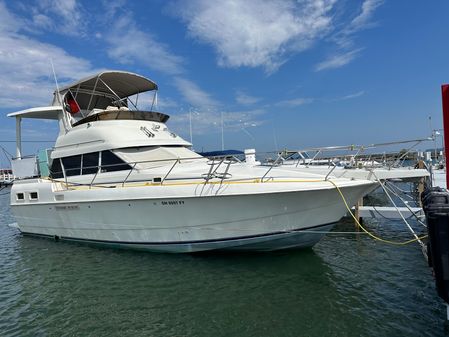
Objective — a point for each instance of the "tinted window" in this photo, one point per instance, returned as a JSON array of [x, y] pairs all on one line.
[[56, 170], [90, 163], [110, 162], [72, 165]]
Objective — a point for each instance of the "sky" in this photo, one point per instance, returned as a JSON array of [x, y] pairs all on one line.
[[279, 74]]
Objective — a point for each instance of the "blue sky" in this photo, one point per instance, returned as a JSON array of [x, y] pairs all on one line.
[[283, 74]]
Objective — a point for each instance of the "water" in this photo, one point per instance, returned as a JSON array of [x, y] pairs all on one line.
[[344, 286]]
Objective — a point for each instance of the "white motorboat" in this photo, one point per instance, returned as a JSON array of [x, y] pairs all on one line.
[[118, 176]]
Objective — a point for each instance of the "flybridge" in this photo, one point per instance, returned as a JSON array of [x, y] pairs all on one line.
[[104, 96], [108, 88]]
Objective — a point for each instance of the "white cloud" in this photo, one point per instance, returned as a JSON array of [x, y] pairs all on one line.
[[338, 60], [194, 95], [344, 38], [256, 33], [245, 99], [166, 103], [363, 19], [61, 16], [112, 7], [128, 44], [42, 21], [291, 103], [351, 96], [27, 77], [210, 120], [8, 22]]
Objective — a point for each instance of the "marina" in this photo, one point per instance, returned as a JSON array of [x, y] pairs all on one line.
[[233, 168], [75, 191]]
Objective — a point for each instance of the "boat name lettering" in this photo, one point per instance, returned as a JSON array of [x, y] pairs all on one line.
[[68, 208], [172, 202]]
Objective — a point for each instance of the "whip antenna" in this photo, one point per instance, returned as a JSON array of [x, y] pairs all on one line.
[[64, 117], [56, 80]]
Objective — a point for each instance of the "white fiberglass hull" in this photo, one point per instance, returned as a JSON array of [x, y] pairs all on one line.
[[141, 218]]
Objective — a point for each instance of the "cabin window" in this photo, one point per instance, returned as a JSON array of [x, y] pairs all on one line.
[[20, 196], [72, 165], [90, 163], [33, 196], [110, 162], [56, 169]]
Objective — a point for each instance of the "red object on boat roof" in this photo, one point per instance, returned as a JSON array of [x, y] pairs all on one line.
[[445, 97], [73, 105]]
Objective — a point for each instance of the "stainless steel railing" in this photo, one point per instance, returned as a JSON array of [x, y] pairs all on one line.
[[213, 172]]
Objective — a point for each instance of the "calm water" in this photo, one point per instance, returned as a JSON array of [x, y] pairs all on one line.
[[344, 286]]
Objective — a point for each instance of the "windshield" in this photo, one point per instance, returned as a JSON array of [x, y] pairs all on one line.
[[116, 114]]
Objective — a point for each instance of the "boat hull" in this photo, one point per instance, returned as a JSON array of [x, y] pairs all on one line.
[[264, 221]]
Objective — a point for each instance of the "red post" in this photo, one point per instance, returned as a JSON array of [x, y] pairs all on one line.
[[445, 96]]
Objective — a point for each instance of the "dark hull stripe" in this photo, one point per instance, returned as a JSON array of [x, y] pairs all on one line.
[[183, 242]]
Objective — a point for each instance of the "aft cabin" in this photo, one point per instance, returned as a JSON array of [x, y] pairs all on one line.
[[101, 129]]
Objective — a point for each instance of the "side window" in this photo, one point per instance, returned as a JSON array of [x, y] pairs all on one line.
[[90, 163], [110, 162], [72, 165], [56, 169]]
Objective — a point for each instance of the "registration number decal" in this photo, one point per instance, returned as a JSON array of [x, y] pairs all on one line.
[[172, 203]]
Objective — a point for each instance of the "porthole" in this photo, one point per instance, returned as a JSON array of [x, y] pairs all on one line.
[[20, 196], [33, 196]]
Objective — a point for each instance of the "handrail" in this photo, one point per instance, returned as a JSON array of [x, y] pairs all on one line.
[[329, 173], [130, 171], [225, 173], [133, 165], [96, 173], [271, 167], [219, 164], [209, 174], [311, 160], [356, 147], [358, 156], [173, 166]]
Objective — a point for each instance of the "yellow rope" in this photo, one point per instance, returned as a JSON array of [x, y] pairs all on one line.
[[369, 233]]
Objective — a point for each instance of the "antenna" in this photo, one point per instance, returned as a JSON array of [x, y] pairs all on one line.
[[222, 132], [248, 133], [56, 81], [275, 138], [64, 117], [190, 122], [430, 125]]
